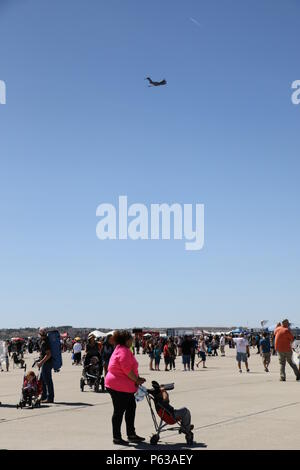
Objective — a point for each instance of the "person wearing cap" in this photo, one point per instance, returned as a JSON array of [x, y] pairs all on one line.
[[265, 350], [45, 364], [91, 349], [283, 345]]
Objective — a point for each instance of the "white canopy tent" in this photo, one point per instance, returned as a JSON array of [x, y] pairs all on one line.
[[98, 334], [109, 333]]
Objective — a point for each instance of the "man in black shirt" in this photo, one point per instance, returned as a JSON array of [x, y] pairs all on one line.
[[186, 349], [45, 363], [193, 343]]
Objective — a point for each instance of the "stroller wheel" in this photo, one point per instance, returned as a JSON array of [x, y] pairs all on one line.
[[82, 384], [96, 386], [154, 439], [102, 385], [189, 439]]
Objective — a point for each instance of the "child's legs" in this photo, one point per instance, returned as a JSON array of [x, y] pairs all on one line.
[[185, 418]]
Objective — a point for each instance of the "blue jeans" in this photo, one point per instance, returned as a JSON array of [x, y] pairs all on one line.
[[46, 376], [186, 359]]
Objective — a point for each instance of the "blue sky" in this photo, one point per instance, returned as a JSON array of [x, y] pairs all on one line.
[[81, 127]]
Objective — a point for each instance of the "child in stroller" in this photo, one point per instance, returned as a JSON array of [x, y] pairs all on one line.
[[92, 374], [31, 391], [168, 415]]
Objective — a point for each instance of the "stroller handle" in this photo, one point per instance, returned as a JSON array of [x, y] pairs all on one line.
[[168, 386], [156, 387]]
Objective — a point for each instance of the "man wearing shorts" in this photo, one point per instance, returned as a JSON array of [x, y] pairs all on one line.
[[202, 352], [242, 351], [265, 351], [186, 348], [283, 345]]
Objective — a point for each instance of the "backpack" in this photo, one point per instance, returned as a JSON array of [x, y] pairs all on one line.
[[55, 348]]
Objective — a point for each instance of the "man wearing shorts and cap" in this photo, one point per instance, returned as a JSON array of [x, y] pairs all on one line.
[[242, 351], [283, 345]]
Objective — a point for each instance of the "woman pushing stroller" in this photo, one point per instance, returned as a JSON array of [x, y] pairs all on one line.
[[91, 349], [124, 385], [122, 381]]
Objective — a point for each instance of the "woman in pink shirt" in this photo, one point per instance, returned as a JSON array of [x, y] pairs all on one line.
[[122, 381]]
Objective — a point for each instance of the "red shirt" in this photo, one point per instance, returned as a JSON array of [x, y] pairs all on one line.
[[283, 339]]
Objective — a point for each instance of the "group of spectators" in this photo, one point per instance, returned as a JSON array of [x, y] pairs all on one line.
[[15, 350], [280, 343], [188, 347], [117, 354]]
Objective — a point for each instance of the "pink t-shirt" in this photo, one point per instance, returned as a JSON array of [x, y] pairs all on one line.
[[121, 363]]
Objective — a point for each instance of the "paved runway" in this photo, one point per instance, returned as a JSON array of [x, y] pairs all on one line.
[[229, 410]]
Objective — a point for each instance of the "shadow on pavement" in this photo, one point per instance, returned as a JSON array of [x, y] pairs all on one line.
[[169, 446], [65, 403], [6, 405]]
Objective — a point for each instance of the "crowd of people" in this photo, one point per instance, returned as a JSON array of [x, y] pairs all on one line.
[[117, 354], [163, 352]]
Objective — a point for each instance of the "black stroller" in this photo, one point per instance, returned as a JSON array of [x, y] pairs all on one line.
[[167, 420], [31, 392], [92, 375]]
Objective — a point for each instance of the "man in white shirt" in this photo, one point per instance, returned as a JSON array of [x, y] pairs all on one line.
[[222, 345], [242, 351], [77, 348]]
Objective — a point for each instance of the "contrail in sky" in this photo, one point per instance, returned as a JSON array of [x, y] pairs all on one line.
[[195, 21]]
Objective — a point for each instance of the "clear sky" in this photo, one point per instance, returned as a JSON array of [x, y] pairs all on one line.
[[81, 127]]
